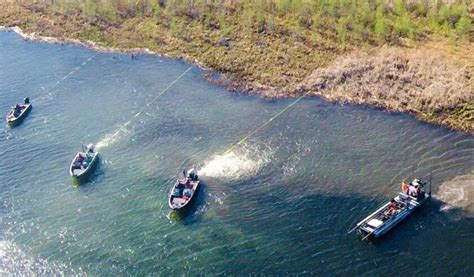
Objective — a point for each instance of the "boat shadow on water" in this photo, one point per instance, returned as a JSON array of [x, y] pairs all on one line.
[[191, 213], [323, 222], [418, 224]]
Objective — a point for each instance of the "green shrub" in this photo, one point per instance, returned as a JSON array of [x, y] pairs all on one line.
[[90, 8], [400, 8], [452, 14], [380, 27], [107, 10], [404, 27], [464, 26], [341, 30], [345, 21]]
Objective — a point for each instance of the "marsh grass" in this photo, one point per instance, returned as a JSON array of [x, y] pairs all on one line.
[[279, 47]]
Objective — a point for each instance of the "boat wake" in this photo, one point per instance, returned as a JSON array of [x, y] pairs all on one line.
[[458, 193], [235, 165], [111, 138]]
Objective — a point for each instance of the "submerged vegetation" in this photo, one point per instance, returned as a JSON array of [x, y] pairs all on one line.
[[280, 47]]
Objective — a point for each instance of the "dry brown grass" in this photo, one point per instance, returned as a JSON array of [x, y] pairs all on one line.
[[435, 80], [429, 80]]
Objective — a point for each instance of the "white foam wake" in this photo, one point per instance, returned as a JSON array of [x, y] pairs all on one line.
[[458, 193], [236, 164], [111, 138]]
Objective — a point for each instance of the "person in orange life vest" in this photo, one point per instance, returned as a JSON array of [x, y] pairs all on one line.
[[405, 189]]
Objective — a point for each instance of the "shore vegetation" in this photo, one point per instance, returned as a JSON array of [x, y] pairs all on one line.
[[282, 47]]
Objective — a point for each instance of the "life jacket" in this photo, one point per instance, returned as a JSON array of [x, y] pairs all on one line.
[[405, 187]]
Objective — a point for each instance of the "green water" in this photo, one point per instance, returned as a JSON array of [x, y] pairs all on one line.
[[280, 203]]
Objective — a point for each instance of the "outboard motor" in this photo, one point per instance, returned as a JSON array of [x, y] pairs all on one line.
[[191, 174], [26, 100], [90, 148]]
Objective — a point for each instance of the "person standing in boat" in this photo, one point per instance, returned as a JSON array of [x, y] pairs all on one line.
[[415, 190], [405, 189]]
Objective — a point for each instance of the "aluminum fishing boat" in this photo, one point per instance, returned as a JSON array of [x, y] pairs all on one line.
[[83, 164], [413, 195], [18, 112], [184, 191]]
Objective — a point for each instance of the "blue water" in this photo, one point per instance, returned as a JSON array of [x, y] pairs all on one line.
[[282, 202]]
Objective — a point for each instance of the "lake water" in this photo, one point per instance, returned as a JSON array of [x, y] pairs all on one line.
[[282, 202]]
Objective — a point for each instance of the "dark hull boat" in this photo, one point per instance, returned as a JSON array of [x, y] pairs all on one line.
[[381, 221], [83, 164], [18, 112], [184, 191]]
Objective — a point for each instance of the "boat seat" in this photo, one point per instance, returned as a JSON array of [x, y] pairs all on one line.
[[408, 199], [78, 171], [403, 197], [368, 229], [375, 222], [178, 201]]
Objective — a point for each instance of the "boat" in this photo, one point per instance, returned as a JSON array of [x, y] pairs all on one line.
[[18, 112], [378, 223], [83, 164], [184, 191]]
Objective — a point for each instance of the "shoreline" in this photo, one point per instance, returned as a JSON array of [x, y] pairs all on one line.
[[234, 84], [230, 83], [89, 44]]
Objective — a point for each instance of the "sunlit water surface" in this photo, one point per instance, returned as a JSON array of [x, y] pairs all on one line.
[[282, 202]]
